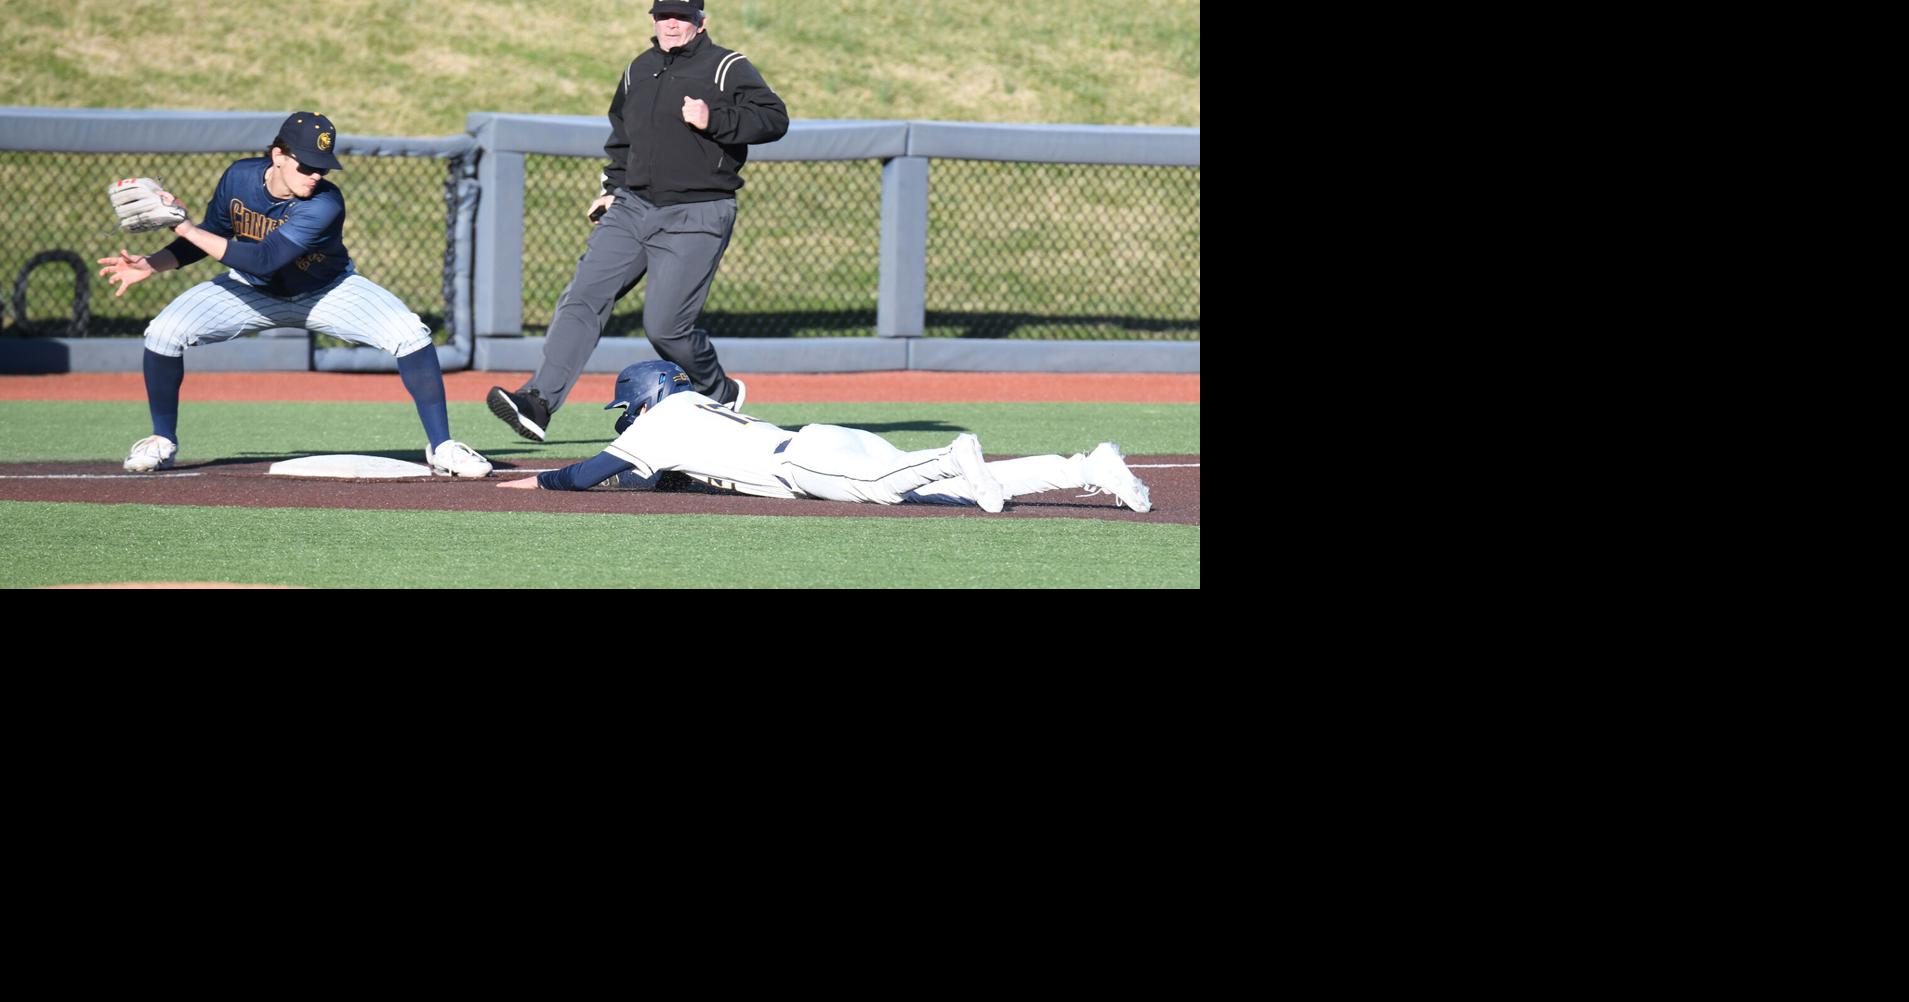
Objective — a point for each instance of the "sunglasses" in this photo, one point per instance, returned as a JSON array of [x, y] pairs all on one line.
[[308, 171]]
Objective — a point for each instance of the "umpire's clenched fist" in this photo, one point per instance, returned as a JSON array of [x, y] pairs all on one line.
[[696, 113]]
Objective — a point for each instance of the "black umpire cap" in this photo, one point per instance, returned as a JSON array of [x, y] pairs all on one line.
[[312, 139], [692, 9]]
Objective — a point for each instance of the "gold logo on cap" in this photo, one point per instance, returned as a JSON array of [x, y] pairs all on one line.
[[324, 141]]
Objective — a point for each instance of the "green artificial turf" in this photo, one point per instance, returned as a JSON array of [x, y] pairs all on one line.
[[70, 543], [65, 543], [33, 431]]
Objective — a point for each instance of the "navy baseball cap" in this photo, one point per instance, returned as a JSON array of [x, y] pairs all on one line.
[[692, 9], [312, 139]]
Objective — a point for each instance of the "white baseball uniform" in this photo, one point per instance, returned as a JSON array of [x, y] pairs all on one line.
[[691, 433]]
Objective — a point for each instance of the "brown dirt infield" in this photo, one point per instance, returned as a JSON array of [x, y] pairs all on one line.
[[1175, 490]]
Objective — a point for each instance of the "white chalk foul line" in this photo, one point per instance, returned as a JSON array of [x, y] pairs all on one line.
[[90, 476], [1163, 466]]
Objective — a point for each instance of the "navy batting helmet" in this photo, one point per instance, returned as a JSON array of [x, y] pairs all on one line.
[[645, 384]]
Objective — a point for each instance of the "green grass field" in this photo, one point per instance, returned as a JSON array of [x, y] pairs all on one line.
[[416, 68], [48, 543]]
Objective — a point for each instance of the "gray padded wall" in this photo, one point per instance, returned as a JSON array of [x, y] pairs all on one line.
[[584, 136]]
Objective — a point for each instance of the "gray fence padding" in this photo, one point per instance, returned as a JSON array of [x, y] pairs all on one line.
[[120, 130], [464, 250], [584, 136], [557, 135], [1076, 144], [443, 148], [836, 140], [988, 355]]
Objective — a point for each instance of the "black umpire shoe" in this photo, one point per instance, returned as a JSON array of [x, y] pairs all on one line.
[[526, 413]]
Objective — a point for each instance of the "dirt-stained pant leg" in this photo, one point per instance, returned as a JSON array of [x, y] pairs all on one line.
[[686, 244], [613, 262]]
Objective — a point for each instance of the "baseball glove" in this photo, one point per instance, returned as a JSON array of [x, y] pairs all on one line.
[[143, 205]]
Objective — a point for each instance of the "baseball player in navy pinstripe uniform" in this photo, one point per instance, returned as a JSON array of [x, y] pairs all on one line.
[[278, 226], [681, 123]]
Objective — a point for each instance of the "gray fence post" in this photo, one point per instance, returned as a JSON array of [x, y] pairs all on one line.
[[498, 286], [901, 305]]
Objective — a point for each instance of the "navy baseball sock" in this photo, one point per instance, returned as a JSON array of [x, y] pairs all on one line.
[[164, 373], [424, 378]]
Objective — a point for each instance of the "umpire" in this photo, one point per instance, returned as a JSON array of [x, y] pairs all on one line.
[[681, 124]]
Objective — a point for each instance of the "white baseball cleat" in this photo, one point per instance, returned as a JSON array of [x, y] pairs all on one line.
[[974, 469], [151, 454], [742, 393], [455, 459], [1106, 470]]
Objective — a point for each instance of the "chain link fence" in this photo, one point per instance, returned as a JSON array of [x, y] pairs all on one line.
[[1015, 250], [1063, 251], [803, 261], [54, 212]]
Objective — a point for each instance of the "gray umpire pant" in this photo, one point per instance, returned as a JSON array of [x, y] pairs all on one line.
[[679, 247]]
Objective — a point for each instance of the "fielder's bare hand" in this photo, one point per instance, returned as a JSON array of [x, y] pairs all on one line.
[[125, 271], [520, 484], [696, 113]]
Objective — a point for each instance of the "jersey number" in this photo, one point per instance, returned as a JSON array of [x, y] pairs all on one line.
[[721, 411]]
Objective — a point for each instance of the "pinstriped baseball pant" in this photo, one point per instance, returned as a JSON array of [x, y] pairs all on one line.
[[353, 308]]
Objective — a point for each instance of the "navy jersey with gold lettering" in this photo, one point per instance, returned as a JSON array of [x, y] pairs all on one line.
[[282, 246]]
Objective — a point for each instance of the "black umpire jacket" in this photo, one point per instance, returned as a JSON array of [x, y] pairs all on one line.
[[656, 154]]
